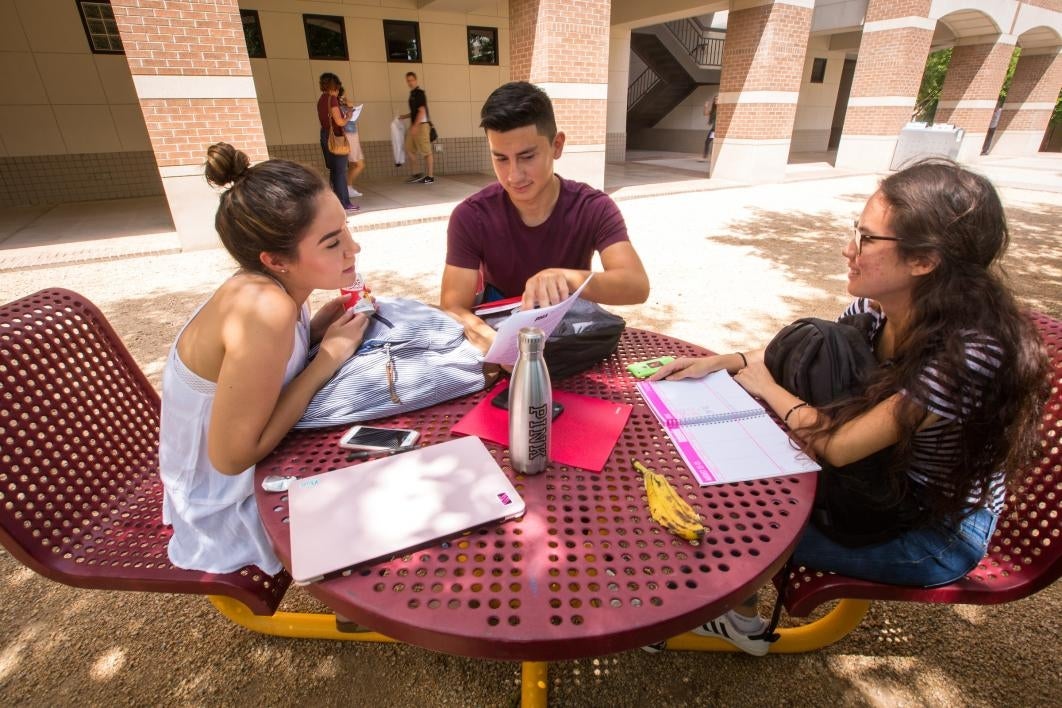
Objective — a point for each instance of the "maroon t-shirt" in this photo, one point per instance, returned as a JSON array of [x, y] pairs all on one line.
[[486, 228], [324, 112]]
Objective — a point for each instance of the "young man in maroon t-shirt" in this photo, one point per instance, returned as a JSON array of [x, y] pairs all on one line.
[[533, 233]]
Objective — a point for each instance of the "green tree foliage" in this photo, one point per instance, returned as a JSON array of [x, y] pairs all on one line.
[[932, 81]]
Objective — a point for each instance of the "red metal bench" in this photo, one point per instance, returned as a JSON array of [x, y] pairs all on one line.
[[80, 494], [1025, 554]]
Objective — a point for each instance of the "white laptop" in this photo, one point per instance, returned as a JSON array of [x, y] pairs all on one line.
[[378, 509]]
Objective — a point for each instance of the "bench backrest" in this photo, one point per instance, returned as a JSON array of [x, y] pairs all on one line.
[[80, 494]]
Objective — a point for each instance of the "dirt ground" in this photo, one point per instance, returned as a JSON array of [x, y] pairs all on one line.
[[728, 269]]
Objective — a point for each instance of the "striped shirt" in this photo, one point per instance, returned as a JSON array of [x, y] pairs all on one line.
[[936, 449]]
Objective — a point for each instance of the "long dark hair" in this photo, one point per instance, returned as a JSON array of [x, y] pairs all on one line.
[[954, 216], [265, 208]]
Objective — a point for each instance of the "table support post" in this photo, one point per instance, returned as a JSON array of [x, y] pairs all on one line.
[[534, 686]]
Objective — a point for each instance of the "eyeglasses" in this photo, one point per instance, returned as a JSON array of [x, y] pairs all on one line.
[[860, 237]]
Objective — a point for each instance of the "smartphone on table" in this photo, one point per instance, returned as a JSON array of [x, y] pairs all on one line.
[[645, 369], [368, 437]]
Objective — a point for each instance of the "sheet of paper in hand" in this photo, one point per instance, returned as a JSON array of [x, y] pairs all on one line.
[[506, 346]]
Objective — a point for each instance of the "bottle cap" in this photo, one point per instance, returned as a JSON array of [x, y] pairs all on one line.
[[532, 340]]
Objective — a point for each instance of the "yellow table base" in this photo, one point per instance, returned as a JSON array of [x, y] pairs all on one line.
[[534, 690]]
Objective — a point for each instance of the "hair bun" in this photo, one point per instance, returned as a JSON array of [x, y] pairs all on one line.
[[225, 164]]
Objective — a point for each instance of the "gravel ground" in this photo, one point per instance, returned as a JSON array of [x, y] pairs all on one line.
[[728, 269]]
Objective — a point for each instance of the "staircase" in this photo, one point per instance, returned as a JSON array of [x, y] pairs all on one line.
[[672, 87]]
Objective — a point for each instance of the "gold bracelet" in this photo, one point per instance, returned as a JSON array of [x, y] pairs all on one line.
[[789, 412]]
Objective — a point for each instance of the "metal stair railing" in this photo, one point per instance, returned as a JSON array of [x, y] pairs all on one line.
[[642, 85], [705, 51]]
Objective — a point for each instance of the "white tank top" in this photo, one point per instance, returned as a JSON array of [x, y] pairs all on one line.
[[216, 527]]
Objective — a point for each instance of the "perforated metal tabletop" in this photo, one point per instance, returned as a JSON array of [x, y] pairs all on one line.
[[586, 571]]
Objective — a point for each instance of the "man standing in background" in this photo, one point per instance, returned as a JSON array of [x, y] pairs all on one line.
[[418, 142]]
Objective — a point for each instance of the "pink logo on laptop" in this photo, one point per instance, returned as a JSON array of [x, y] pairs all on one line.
[[504, 498]]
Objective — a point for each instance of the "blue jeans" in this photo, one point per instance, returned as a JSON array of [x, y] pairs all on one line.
[[337, 171], [919, 558]]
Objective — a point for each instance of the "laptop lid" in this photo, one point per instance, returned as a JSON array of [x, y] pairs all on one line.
[[381, 508]]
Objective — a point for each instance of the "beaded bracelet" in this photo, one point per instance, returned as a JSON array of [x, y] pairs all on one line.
[[744, 361], [789, 412]]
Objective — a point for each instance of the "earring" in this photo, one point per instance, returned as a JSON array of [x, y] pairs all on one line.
[[283, 270]]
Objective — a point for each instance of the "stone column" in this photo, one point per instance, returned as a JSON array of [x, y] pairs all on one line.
[[971, 89], [563, 48], [193, 78], [1030, 101], [763, 62], [892, 59]]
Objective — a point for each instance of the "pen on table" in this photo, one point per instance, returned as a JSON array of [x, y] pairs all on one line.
[[364, 454]]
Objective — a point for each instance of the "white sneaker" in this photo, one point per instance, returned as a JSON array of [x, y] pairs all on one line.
[[723, 627], [353, 192]]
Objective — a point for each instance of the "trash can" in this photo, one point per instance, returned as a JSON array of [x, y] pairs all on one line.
[[918, 140]]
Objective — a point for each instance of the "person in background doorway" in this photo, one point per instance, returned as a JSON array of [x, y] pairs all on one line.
[[418, 142], [356, 158], [331, 118], [709, 114]]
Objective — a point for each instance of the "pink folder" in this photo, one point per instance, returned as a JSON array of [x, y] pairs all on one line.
[[583, 435]]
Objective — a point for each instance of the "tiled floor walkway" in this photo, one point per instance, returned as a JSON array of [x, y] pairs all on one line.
[[89, 231]]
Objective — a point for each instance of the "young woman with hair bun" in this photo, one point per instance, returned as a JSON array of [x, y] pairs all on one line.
[[237, 377]]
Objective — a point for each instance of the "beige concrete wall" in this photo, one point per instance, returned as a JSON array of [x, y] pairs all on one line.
[[59, 98], [814, 111]]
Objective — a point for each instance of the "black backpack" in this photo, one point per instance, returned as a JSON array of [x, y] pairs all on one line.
[[823, 362], [587, 334]]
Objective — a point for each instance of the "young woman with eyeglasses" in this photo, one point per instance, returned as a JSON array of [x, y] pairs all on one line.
[[957, 403]]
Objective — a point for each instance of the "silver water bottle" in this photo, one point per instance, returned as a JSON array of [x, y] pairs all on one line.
[[530, 406]]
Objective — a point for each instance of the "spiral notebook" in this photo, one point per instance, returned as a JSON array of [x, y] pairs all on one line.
[[721, 432]]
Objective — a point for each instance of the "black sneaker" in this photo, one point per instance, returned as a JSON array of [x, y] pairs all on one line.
[[415, 178], [427, 180]]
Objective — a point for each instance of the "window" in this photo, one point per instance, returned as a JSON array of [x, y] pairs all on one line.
[[818, 70], [326, 36], [252, 33], [100, 27], [483, 45], [402, 40]]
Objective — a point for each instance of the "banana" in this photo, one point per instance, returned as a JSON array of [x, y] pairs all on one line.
[[669, 509]]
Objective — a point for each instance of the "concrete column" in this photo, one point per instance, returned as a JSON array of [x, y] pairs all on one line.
[[971, 89], [889, 68], [193, 78], [619, 62], [564, 49], [1030, 101], [763, 62]]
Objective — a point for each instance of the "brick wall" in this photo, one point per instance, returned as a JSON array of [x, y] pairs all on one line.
[[891, 9], [189, 38], [582, 120], [562, 41], [879, 72], [976, 73], [764, 51], [192, 39], [1055, 5], [182, 129], [1037, 79]]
